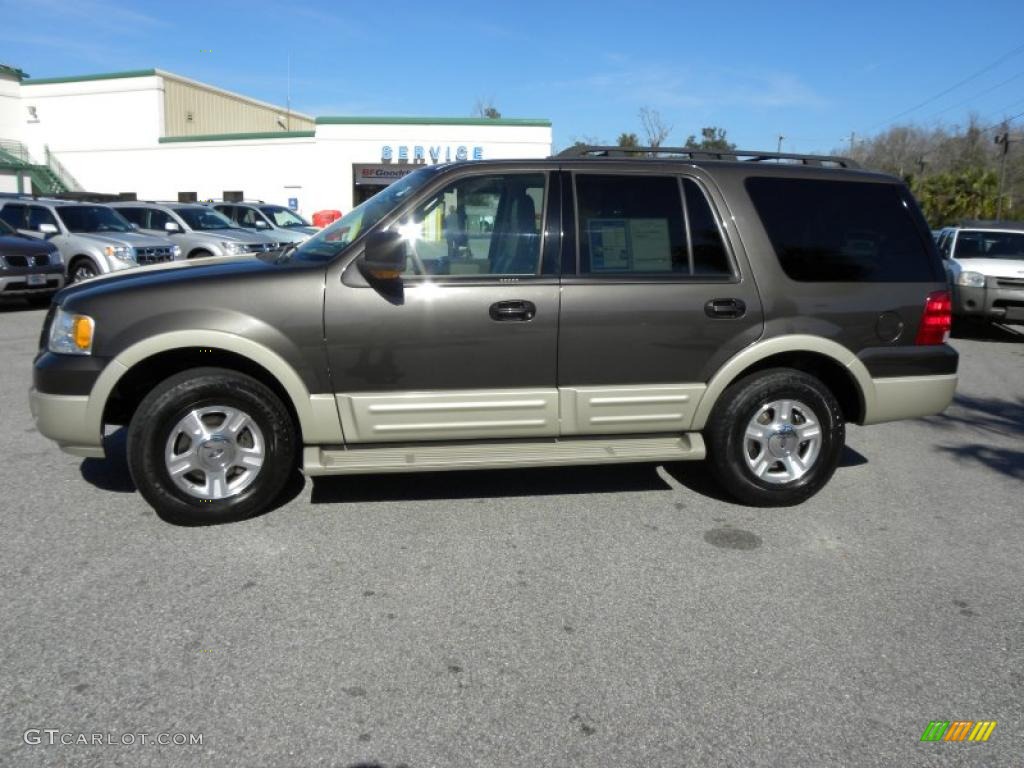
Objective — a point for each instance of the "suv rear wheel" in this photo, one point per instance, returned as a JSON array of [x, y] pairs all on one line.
[[210, 445], [776, 437]]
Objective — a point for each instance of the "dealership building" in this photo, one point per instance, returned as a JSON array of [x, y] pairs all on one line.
[[160, 136]]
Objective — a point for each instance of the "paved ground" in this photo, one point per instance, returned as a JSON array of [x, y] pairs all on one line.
[[601, 617]]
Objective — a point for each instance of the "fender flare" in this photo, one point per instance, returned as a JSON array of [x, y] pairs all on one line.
[[317, 414], [761, 350]]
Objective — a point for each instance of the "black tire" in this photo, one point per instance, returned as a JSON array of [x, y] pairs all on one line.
[[729, 448], [164, 408], [200, 254], [82, 268]]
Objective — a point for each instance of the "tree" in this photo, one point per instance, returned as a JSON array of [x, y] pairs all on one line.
[[712, 138], [954, 173], [486, 108], [654, 126], [628, 140]]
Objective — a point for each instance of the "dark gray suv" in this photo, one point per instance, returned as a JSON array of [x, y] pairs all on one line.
[[589, 308]]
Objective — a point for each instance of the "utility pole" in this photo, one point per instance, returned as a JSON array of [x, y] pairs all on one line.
[[853, 138], [1002, 140], [288, 96]]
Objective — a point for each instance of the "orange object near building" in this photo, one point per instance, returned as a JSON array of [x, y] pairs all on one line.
[[323, 218]]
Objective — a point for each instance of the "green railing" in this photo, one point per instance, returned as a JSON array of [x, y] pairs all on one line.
[[50, 178]]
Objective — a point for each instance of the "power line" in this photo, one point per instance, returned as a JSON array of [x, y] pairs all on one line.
[[975, 96], [953, 87]]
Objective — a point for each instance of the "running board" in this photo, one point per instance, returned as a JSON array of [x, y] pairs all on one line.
[[434, 457]]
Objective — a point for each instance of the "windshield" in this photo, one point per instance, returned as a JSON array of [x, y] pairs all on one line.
[[204, 219], [283, 217], [986, 244], [329, 242], [92, 218]]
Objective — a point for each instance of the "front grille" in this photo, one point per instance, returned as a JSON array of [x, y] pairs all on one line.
[[32, 260], [263, 247], [154, 254], [22, 285], [1010, 282]]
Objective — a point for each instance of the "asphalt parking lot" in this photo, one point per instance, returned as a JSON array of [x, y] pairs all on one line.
[[623, 616]]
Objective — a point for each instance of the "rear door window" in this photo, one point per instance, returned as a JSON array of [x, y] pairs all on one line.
[[37, 215], [647, 226], [136, 216], [844, 231]]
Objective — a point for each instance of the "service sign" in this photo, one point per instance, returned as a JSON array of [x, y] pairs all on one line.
[[438, 153]]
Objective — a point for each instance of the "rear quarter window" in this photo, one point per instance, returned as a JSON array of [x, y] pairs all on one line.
[[843, 231]]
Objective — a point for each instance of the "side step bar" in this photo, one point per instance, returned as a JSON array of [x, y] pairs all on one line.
[[499, 454]]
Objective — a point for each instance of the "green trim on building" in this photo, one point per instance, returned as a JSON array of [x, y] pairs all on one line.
[[85, 78], [432, 121], [6, 69], [239, 136]]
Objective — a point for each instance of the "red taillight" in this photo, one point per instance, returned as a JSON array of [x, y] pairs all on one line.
[[936, 320]]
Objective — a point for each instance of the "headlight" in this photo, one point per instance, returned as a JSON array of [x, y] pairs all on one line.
[[233, 248], [175, 251], [122, 252], [971, 279], [71, 334]]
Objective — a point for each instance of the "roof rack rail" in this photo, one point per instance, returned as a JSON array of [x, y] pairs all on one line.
[[990, 224], [686, 153]]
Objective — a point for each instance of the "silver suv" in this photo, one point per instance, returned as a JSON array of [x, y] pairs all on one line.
[[199, 231], [93, 239], [277, 221]]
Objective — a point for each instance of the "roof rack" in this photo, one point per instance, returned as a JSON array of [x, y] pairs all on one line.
[[991, 224], [685, 153]]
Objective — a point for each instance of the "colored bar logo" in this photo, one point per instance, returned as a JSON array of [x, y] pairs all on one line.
[[958, 730]]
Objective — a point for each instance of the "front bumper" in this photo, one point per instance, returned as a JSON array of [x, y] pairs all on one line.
[[1002, 299], [65, 419], [16, 283]]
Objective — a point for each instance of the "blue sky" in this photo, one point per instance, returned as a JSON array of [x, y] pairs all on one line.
[[811, 71]]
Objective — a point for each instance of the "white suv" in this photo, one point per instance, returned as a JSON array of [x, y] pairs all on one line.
[[985, 264]]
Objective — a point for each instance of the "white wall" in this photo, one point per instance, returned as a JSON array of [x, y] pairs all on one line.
[[9, 181], [263, 169], [317, 171], [12, 111], [94, 114]]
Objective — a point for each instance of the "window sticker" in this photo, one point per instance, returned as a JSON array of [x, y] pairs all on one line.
[[650, 245], [609, 245]]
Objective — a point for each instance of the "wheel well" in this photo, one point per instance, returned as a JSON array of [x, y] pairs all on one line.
[[831, 373], [143, 376], [194, 253], [80, 257]]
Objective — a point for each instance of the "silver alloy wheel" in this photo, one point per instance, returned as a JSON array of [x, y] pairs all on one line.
[[83, 271], [782, 441], [214, 452]]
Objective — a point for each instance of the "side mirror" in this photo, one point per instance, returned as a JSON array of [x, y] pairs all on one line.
[[261, 224], [172, 226], [48, 229], [385, 256]]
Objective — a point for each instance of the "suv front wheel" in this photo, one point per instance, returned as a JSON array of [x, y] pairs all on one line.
[[776, 437], [210, 445]]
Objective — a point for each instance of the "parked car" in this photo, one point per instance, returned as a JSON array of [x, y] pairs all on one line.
[[621, 309], [28, 267], [93, 239], [199, 231], [280, 223], [985, 264]]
